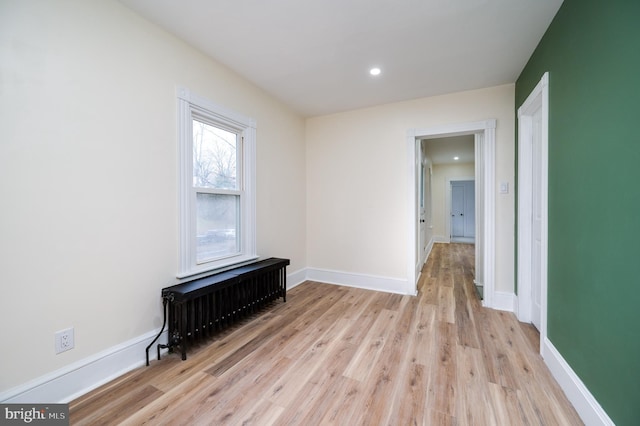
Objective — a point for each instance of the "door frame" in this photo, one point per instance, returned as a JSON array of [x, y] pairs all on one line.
[[484, 132], [539, 98], [424, 214]]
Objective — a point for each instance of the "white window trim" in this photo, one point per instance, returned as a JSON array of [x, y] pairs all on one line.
[[188, 103]]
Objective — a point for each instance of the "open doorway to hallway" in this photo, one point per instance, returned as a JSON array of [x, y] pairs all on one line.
[[451, 196], [484, 134]]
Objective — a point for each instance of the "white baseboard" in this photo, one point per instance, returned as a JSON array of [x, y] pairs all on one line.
[[427, 253], [441, 239], [294, 279], [367, 282], [74, 380], [503, 301], [516, 307], [465, 240], [429, 250], [583, 401]]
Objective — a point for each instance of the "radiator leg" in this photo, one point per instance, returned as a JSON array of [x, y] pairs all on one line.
[[284, 285], [164, 323], [183, 332]]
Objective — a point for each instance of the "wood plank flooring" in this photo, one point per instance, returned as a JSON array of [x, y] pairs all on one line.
[[334, 355]]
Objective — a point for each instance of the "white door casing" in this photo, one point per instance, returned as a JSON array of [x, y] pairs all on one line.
[[423, 212], [533, 147], [479, 280], [536, 217], [470, 209]]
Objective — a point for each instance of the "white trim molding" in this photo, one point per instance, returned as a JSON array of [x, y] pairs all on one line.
[[538, 99], [75, 380], [588, 408], [296, 278], [428, 250], [191, 107], [504, 301], [363, 281]]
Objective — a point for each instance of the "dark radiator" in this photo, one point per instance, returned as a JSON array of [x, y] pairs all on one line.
[[198, 308]]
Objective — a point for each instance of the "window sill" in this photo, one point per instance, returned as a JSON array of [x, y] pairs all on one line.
[[218, 267]]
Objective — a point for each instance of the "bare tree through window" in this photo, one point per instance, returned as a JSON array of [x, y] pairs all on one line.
[[214, 157], [215, 153]]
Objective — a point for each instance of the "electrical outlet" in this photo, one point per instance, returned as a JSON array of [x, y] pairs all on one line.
[[64, 340]]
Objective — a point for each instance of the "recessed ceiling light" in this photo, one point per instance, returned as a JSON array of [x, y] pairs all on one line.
[[375, 71], [456, 158]]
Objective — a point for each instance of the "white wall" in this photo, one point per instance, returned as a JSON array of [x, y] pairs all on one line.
[[88, 222], [442, 172], [88, 159], [357, 181]]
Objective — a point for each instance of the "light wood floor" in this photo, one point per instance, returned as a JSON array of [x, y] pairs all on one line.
[[344, 356]]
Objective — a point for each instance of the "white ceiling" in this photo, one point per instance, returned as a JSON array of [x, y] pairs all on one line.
[[443, 150], [314, 55]]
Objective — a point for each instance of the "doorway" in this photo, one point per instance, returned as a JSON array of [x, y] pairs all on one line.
[[532, 207], [462, 215], [484, 147]]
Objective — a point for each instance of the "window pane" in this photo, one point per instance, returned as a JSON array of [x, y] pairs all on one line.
[[214, 157], [217, 226]]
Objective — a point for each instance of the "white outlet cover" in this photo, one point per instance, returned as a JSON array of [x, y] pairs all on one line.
[[64, 340]]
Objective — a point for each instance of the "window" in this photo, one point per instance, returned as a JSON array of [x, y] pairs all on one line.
[[216, 185]]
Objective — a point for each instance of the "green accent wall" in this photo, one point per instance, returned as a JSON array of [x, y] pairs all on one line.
[[592, 53]]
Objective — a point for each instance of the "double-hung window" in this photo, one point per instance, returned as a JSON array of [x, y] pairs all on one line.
[[216, 185]]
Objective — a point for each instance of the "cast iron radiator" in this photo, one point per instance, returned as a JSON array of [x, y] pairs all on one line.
[[198, 308]]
